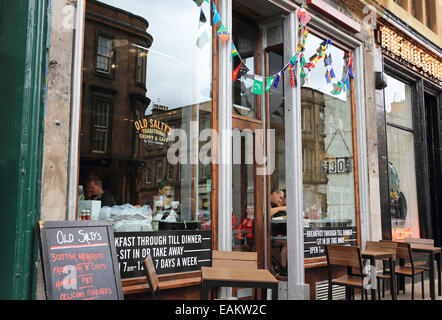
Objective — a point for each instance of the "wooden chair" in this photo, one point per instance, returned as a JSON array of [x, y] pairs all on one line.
[[422, 262], [152, 278], [422, 258], [409, 270], [235, 259], [350, 257], [390, 247]]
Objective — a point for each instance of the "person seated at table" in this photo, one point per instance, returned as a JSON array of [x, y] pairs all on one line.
[[163, 198], [277, 199]]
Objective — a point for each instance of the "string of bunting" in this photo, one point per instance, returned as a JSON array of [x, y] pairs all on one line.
[[261, 83]]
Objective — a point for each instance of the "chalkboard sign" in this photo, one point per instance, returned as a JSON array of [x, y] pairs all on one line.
[[172, 251], [79, 260]]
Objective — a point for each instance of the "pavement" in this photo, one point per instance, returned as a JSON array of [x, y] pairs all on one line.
[[407, 295]]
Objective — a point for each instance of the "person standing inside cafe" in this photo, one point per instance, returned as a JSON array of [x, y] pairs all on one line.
[[278, 209], [95, 187]]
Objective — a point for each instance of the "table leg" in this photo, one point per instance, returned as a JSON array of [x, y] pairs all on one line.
[[275, 292], [373, 291], [438, 274], [432, 293], [392, 279]]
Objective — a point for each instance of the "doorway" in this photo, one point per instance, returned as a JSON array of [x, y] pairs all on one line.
[[247, 188]]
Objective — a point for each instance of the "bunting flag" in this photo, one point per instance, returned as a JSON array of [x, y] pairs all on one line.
[[303, 16], [338, 88], [216, 16], [269, 82], [198, 2], [239, 71], [202, 17], [258, 85], [223, 34], [234, 51], [202, 40], [277, 78]]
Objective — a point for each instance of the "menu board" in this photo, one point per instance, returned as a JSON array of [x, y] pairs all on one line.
[[79, 260], [315, 239], [172, 251]]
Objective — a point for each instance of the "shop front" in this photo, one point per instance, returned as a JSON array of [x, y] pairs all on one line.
[[221, 125], [409, 100]]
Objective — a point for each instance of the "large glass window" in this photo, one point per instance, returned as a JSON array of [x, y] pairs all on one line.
[[140, 128], [328, 160], [401, 164]]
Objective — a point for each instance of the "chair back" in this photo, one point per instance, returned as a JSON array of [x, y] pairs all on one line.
[[345, 256], [151, 276], [372, 245], [234, 259], [429, 242], [390, 247], [404, 251]]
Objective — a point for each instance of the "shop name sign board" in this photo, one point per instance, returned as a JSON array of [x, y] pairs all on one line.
[[153, 130], [315, 239], [79, 260], [171, 251], [403, 48]]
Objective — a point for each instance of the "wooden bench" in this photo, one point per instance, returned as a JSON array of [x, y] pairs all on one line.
[[220, 259]]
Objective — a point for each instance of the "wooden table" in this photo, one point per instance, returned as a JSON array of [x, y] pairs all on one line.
[[431, 251], [235, 277], [373, 255]]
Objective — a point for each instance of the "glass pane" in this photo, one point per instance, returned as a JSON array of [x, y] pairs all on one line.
[[328, 163], [244, 39], [243, 196], [402, 184], [398, 103], [139, 140]]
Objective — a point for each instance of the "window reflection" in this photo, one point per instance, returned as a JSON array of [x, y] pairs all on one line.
[[147, 73], [245, 38], [328, 163], [401, 164]]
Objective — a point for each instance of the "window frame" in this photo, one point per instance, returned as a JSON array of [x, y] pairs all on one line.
[[112, 58]]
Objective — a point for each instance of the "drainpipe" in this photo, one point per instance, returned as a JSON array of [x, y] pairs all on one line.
[[77, 71]]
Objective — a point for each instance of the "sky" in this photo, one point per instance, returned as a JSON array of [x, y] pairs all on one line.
[[178, 72]]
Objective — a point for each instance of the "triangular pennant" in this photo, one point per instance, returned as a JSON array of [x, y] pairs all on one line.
[[328, 77], [198, 2], [223, 33], [202, 40], [235, 73], [332, 74], [278, 77], [222, 30], [242, 70], [338, 88], [258, 85], [202, 17], [346, 85], [350, 72], [216, 17], [234, 51], [292, 78]]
